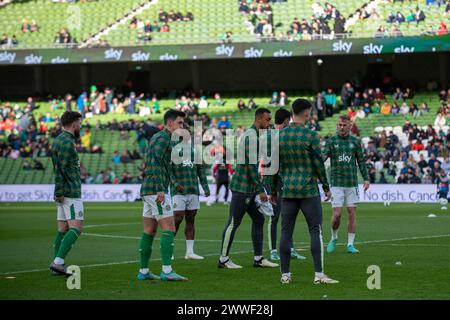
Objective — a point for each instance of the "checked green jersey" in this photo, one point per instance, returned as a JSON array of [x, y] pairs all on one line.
[[301, 163], [246, 177], [346, 156], [66, 166], [187, 174], [157, 164]]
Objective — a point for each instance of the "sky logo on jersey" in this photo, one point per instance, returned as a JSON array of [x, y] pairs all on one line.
[[188, 163], [344, 158]]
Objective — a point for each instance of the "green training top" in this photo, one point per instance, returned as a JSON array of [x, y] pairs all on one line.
[[66, 166], [187, 174], [346, 156], [157, 163], [301, 163], [246, 178]]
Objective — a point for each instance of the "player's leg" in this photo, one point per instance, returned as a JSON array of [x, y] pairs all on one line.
[[167, 223], [227, 190], [145, 248], [179, 206], [289, 212], [352, 198], [272, 227], [218, 186], [312, 210], [73, 212], [337, 202], [63, 227], [150, 225], [237, 211], [192, 207], [258, 236]]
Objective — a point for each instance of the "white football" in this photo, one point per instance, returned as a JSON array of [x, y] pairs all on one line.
[[417, 201], [443, 201], [387, 203]]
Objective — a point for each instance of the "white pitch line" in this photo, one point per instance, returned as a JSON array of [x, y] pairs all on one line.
[[211, 255], [110, 224], [110, 264], [137, 238]]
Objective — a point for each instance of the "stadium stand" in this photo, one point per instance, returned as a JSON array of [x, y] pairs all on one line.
[[124, 135], [119, 22]]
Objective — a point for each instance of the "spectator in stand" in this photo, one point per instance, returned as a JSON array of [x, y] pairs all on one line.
[[440, 120], [395, 108], [241, 105], [274, 100], [163, 16], [386, 108], [402, 179], [224, 123], [116, 158], [124, 158], [319, 105], [164, 28], [418, 146], [218, 102], [404, 109], [330, 102], [399, 17], [398, 94], [442, 28], [420, 15], [283, 101]]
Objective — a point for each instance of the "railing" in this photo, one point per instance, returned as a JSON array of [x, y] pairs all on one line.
[[212, 40]]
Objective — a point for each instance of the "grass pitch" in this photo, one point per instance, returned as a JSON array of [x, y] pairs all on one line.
[[107, 253]]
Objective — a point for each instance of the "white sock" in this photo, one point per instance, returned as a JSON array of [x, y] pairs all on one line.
[[167, 269], [257, 258], [224, 258], [189, 246], [286, 274], [319, 274], [334, 234], [351, 238], [58, 261], [144, 270], [273, 251]]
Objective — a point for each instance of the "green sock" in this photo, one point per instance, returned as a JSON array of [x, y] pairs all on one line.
[[145, 249], [67, 242], [57, 242], [166, 246]]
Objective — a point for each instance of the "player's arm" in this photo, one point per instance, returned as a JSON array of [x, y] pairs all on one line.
[[327, 150], [254, 176], [201, 174], [361, 160], [318, 163]]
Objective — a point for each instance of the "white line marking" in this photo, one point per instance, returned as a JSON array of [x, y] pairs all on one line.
[[110, 224], [113, 263], [137, 238], [214, 254]]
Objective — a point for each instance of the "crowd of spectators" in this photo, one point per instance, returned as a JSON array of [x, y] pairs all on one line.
[[146, 28], [389, 157]]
